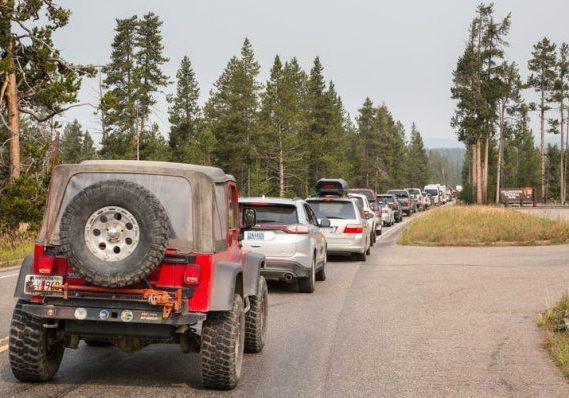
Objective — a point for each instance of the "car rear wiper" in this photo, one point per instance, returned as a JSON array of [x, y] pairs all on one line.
[[336, 218]]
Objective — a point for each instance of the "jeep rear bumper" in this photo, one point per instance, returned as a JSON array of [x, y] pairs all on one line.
[[108, 315]]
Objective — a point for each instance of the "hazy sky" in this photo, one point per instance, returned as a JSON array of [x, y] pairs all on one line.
[[398, 52]]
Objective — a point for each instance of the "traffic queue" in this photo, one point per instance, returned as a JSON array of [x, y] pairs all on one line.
[[297, 235]]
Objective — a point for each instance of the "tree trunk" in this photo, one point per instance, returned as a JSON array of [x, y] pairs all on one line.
[[485, 171], [473, 169], [542, 147], [500, 156], [14, 125], [478, 171], [281, 169], [562, 158]]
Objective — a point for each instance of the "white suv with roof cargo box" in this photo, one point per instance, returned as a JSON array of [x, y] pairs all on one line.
[[349, 231]]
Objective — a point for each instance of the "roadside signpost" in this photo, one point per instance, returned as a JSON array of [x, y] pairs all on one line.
[[518, 196]]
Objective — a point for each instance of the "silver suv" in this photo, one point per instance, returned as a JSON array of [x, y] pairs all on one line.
[[349, 231], [288, 234]]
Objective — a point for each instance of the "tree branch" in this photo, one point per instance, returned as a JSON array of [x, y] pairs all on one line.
[[42, 118]]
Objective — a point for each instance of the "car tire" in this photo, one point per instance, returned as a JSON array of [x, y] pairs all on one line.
[[139, 225], [361, 256], [222, 347], [32, 357], [256, 319], [306, 285], [321, 274]]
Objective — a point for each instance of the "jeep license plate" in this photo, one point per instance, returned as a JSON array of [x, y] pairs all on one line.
[[254, 235], [39, 283]]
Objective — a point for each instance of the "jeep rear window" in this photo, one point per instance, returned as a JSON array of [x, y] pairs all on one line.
[[274, 214], [332, 210]]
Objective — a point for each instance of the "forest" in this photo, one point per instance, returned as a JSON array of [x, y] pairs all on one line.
[[276, 137]]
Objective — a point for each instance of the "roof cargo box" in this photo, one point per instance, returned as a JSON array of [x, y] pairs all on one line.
[[331, 187]]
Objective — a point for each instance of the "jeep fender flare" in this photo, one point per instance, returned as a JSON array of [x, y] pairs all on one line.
[[25, 269], [231, 277]]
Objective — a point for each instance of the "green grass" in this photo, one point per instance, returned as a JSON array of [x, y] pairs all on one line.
[[483, 226], [14, 247], [556, 335]]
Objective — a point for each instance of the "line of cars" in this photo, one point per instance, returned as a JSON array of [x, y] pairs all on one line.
[[296, 235]]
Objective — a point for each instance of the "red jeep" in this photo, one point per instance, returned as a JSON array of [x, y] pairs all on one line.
[[134, 253]]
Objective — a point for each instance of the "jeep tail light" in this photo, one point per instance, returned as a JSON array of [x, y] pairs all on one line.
[[45, 264], [353, 229], [296, 229], [192, 274]]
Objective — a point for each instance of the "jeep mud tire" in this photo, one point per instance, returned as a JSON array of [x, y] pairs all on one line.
[[222, 346], [35, 352], [256, 319], [123, 220]]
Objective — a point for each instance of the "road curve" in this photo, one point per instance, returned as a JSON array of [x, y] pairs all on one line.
[[408, 322]]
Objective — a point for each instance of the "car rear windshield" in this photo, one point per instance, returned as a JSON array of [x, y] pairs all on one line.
[[334, 209], [368, 194], [432, 192], [388, 199], [359, 200], [400, 194], [274, 214]]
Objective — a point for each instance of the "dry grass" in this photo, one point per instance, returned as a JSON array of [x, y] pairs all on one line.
[[483, 226], [14, 247], [556, 335]]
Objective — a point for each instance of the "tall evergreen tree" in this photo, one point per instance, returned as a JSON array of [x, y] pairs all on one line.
[[184, 114], [232, 116], [118, 102], [367, 146], [71, 145], [542, 80], [419, 172], [88, 150]]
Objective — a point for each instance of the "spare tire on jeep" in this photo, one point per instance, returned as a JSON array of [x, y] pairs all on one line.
[[114, 233]]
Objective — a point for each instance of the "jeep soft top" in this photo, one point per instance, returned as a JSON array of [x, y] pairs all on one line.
[[132, 253]]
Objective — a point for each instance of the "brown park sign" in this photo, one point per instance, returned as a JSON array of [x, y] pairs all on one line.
[[519, 196]]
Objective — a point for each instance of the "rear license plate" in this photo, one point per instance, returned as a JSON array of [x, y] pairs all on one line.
[[328, 230], [254, 235], [39, 283]]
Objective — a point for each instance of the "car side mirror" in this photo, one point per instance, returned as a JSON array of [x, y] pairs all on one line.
[[325, 223], [249, 218]]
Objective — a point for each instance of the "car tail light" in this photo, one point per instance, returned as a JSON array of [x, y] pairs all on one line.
[[353, 229], [296, 229], [192, 274], [394, 206], [45, 264]]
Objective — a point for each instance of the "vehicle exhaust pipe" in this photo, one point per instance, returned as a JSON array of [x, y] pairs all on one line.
[[288, 277]]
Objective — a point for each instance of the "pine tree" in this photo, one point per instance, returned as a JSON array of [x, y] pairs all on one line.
[[417, 158], [118, 102], [232, 116], [72, 143], [35, 79], [542, 80], [366, 148], [184, 114], [281, 122], [88, 150], [560, 93], [509, 102]]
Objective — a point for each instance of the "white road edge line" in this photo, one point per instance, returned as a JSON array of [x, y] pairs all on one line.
[[393, 229], [9, 276]]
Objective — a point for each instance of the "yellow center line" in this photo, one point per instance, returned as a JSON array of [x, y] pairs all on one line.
[[4, 339], [4, 348], [4, 344]]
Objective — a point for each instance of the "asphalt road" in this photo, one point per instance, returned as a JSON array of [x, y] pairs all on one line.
[[418, 322]]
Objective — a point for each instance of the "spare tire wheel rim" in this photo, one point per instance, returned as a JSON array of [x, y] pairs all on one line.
[[112, 233]]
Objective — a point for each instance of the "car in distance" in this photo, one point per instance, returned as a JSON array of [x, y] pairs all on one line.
[[368, 192], [404, 198], [369, 215], [288, 234], [133, 253], [417, 196], [387, 212], [433, 191], [393, 203]]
